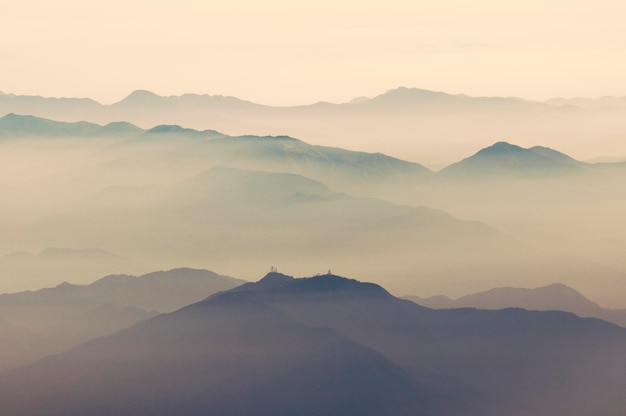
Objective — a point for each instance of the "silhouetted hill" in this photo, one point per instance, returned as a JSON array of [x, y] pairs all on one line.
[[20, 126], [340, 168], [51, 320], [223, 356], [505, 160], [330, 345], [118, 129], [174, 131], [553, 297], [13, 125], [479, 350]]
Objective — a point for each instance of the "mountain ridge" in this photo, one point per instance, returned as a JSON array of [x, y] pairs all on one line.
[[449, 362], [556, 296]]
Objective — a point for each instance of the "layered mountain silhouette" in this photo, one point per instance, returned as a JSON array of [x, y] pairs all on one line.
[[505, 159], [395, 122], [13, 125], [47, 321], [196, 221], [27, 126], [330, 345], [287, 219], [176, 145], [552, 297]]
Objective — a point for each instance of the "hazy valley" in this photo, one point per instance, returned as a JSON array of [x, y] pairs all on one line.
[[96, 195]]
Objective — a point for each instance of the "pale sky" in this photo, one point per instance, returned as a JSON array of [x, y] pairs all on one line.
[[284, 52]]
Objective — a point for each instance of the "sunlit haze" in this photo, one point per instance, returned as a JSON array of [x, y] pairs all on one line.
[[279, 52]]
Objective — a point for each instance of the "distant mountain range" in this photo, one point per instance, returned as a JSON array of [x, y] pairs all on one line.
[[47, 321], [291, 220], [415, 124], [334, 346], [556, 297], [188, 221], [287, 154], [17, 126]]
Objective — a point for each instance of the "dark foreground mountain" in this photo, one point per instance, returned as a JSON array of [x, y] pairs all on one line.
[[40, 323], [330, 345], [556, 297]]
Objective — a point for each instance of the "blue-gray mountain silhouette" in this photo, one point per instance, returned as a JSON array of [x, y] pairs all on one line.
[[330, 345], [39, 323], [505, 159], [552, 297], [19, 126]]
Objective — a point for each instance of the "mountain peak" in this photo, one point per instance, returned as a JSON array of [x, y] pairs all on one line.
[[502, 145], [404, 95], [142, 98], [17, 125], [326, 285], [503, 158], [275, 278], [142, 95]]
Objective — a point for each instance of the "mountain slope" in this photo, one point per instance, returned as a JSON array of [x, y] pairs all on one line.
[[219, 357], [330, 345], [551, 354], [40, 323], [508, 160], [552, 297], [293, 221], [339, 168], [13, 125]]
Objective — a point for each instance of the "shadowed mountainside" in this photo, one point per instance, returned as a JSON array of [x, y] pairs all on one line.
[[47, 321], [335, 346]]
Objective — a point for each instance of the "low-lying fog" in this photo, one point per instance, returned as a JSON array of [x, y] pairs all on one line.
[[205, 200]]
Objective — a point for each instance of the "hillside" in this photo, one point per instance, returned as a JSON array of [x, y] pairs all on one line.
[[331, 345]]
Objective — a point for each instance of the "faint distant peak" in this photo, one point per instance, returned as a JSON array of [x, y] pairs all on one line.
[[170, 128], [143, 98], [403, 94], [178, 131], [118, 128], [142, 95]]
